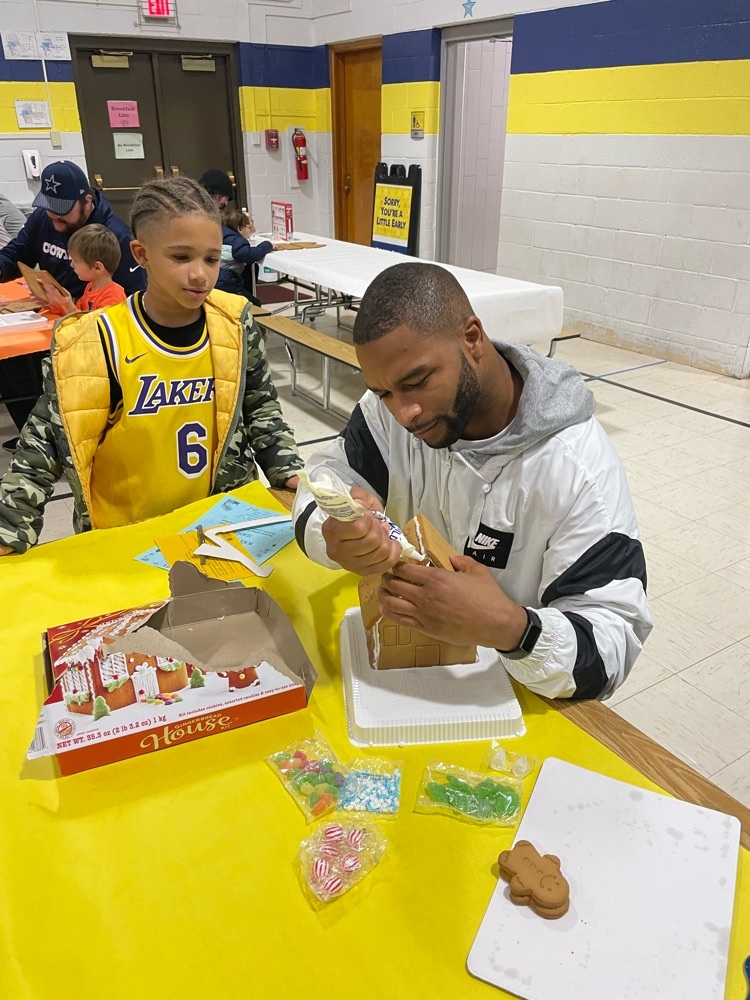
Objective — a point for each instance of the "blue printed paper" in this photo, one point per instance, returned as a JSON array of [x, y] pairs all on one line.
[[261, 543]]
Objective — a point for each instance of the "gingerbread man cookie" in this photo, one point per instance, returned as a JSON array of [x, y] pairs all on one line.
[[535, 880]]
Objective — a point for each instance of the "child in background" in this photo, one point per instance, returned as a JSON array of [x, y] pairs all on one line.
[[142, 409], [94, 256], [237, 253]]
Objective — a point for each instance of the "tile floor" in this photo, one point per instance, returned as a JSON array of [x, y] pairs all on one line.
[[690, 477]]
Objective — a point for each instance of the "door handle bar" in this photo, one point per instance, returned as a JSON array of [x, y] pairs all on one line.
[[100, 185]]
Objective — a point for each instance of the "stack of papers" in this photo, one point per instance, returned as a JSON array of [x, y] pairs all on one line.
[[20, 321], [261, 543]]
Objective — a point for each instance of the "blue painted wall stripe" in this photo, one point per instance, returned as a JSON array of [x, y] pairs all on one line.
[[30, 70], [303, 67], [631, 33], [411, 56]]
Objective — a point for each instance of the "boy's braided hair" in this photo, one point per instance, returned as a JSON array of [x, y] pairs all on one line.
[[159, 200]]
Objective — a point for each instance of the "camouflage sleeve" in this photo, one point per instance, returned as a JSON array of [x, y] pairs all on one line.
[[28, 484], [271, 437]]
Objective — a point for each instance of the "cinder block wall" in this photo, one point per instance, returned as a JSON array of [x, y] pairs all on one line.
[[22, 80], [627, 177], [268, 101]]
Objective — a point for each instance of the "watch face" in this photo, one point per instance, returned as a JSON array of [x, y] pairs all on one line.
[[533, 631]]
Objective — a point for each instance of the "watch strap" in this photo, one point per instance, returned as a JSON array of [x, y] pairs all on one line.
[[529, 638]]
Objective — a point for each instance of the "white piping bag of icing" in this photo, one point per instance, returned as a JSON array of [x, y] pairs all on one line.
[[333, 497]]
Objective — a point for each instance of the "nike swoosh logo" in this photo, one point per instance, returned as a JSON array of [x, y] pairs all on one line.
[[479, 546], [129, 361], [134, 268]]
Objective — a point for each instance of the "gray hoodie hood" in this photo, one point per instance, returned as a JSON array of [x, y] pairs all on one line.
[[554, 396]]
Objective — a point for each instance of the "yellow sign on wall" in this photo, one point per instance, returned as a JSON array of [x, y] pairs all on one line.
[[392, 214], [417, 124]]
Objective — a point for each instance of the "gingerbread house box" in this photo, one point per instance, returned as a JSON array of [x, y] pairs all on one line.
[[213, 657], [391, 645]]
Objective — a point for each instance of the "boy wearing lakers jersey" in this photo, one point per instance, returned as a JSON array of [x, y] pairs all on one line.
[[159, 401]]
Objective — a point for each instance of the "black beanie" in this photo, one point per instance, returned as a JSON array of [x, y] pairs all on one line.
[[217, 182]]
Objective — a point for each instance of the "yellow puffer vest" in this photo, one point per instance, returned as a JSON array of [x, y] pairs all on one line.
[[82, 381]]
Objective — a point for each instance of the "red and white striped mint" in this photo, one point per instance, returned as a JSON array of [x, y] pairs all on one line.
[[356, 837], [334, 831], [321, 868], [351, 863], [329, 850], [332, 885]]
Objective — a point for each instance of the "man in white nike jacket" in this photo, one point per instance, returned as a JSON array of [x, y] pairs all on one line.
[[499, 448]]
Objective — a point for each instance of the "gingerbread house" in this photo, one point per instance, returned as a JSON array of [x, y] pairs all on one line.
[[392, 646], [121, 679]]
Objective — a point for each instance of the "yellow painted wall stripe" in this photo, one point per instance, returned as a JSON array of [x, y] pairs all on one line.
[[280, 107], [63, 113], [700, 98], [398, 100]]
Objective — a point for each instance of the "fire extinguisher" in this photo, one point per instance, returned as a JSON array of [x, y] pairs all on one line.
[[300, 154]]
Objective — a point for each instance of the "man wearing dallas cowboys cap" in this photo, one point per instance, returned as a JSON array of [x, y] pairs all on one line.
[[64, 204]]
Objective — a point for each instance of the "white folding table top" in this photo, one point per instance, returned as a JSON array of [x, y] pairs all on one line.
[[510, 310]]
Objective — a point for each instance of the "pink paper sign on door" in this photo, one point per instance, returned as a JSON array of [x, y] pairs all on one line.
[[123, 114]]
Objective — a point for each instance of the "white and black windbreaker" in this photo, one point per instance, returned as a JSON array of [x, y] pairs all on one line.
[[545, 504]]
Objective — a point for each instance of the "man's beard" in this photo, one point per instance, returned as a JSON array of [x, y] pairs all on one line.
[[464, 406]]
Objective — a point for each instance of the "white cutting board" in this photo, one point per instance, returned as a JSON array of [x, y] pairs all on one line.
[[652, 883]]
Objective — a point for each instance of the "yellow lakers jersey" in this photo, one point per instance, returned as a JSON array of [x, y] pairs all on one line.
[[156, 454]]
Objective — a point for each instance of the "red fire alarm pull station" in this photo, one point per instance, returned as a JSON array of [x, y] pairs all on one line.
[[272, 138]]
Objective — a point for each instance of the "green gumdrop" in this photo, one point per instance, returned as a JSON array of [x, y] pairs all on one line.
[[438, 793], [458, 784], [313, 798], [459, 800], [486, 788], [483, 808], [305, 787]]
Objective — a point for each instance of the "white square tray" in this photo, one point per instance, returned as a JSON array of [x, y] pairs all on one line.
[[471, 701]]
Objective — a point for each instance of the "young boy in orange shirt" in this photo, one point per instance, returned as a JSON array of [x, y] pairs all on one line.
[[94, 255]]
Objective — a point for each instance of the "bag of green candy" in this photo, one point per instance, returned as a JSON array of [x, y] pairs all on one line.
[[456, 791]]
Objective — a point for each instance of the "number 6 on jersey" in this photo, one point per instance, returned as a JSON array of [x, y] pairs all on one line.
[[192, 454]]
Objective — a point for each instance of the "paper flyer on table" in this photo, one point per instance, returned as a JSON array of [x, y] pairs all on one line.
[[261, 543]]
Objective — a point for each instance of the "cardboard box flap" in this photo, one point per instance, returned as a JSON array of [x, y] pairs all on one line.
[[148, 642], [185, 579], [198, 599]]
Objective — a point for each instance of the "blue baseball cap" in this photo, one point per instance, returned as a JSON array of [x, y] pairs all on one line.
[[63, 184]]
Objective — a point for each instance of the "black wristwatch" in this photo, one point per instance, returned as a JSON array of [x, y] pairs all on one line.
[[529, 638]]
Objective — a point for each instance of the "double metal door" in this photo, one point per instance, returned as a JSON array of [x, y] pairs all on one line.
[[167, 109]]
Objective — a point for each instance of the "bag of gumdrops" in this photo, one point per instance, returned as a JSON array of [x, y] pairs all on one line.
[[464, 794]]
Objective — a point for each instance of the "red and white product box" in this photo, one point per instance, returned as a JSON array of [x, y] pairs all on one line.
[[214, 657], [282, 225]]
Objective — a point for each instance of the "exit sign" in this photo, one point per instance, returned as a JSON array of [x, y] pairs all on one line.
[[159, 8]]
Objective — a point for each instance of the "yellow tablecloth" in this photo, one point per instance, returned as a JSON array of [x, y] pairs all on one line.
[[171, 875]]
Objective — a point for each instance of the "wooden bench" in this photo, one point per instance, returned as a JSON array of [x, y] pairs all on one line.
[[327, 347]]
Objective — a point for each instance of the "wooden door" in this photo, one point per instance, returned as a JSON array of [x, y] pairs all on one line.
[[120, 157], [356, 78], [198, 126]]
